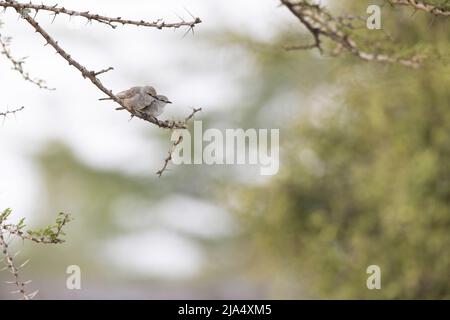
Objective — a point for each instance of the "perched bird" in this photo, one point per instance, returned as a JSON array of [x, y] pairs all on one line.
[[156, 107], [142, 100]]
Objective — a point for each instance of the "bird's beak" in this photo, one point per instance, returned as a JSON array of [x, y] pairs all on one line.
[[169, 101]]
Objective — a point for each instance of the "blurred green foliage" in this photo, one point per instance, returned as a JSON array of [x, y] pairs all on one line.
[[365, 176]]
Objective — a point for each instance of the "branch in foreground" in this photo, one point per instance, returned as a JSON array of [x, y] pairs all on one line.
[[112, 22], [18, 64], [322, 24], [50, 235], [8, 261], [423, 6], [175, 144]]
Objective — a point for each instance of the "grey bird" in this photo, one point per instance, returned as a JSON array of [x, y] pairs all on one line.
[[156, 107], [142, 100]]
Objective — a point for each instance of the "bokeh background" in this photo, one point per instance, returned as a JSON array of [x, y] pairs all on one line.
[[364, 176]]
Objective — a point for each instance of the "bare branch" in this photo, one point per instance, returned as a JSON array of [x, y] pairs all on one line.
[[169, 156], [112, 22], [18, 64], [175, 144], [102, 71], [421, 5], [322, 24], [194, 111]]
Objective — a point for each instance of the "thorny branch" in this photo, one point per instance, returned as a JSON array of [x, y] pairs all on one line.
[[18, 64], [175, 144], [421, 5], [322, 24], [112, 22], [8, 260], [50, 235]]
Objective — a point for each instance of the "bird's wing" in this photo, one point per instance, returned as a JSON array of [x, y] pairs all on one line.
[[148, 106], [153, 109], [127, 94], [143, 102]]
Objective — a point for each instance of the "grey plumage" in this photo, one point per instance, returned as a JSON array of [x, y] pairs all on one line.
[[156, 107], [142, 100]]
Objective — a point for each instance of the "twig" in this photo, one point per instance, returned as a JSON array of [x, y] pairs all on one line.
[[194, 111], [12, 229], [102, 71], [8, 260], [169, 156], [9, 112], [18, 65], [176, 143]]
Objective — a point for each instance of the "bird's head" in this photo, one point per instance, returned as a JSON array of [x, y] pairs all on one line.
[[162, 99]]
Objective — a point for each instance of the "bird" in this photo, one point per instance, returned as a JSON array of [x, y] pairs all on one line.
[[142, 100], [156, 107]]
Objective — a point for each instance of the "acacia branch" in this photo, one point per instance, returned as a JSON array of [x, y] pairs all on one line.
[[423, 6], [322, 24], [110, 21]]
